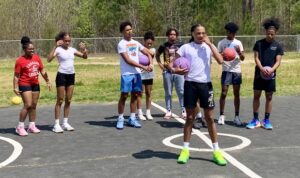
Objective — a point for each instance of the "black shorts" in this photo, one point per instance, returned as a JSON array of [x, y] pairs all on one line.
[[147, 82], [64, 79], [194, 91], [34, 88], [231, 78], [266, 85]]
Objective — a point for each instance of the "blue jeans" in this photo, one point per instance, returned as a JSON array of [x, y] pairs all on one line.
[[170, 79]]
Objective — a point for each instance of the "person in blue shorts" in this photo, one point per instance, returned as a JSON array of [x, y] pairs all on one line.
[[267, 52], [131, 81]]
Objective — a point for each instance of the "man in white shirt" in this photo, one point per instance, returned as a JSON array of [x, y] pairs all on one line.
[[231, 72], [130, 74]]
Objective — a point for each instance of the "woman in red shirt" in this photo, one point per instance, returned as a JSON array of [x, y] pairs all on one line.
[[26, 83]]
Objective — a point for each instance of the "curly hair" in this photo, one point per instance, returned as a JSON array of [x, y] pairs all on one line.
[[231, 27], [271, 22]]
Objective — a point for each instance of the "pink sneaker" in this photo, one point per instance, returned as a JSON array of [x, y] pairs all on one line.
[[33, 129], [21, 131]]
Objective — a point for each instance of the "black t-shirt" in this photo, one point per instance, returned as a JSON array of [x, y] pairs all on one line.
[[267, 52], [167, 49]]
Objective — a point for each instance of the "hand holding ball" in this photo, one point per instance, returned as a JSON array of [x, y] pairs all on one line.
[[182, 63], [229, 54], [143, 59], [268, 68]]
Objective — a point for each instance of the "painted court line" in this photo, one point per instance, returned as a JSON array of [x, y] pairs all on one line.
[[15, 154], [207, 140]]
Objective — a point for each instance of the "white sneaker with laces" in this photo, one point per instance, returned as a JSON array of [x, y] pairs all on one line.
[[149, 116], [57, 129], [66, 126], [237, 121], [142, 117], [221, 120]]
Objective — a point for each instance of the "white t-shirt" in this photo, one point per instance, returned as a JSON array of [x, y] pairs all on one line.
[[149, 75], [234, 65], [132, 48], [199, 56], [66, 60]]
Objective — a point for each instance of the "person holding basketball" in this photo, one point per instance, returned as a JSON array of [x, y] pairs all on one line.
[[131, 81], [168, 49], [231, 72], [198, 87], [147, 79], [267, 52], [26, 83], [65, 78]]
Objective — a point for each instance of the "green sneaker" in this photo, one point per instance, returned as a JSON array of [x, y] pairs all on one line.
[[218, 158], [184, 156]]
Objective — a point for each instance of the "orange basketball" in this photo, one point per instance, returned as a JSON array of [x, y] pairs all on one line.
[[229, 54]]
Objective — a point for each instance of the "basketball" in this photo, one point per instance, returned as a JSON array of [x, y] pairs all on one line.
[[143, 59], [182, 63], [229, 54], [264, 77], [16, 100]]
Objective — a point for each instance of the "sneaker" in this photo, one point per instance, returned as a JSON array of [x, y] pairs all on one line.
[[199, 122], [57, 129], [237, 121], [66, 126], [120, 123], [184, 156], [267, 124], [33, 129], [133, 122], [183, 115], [168, 115], [221, 120], [254, 123], [149, 116], [218, 158], [142, 117], [20, 130]]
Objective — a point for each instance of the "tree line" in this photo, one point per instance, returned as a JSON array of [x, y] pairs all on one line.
[[101, 18]]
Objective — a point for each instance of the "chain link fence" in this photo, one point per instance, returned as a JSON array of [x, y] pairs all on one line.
[[10, 49]]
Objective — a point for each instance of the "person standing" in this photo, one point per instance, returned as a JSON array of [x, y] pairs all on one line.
[[65, 78], [168, 49], [267, 52], [26, 83], [131, 81], [231, 72], [198, 87], [147, 79]]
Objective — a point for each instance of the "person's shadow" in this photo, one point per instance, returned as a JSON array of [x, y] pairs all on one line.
[[170, 124], [109, 122], [147, 154]]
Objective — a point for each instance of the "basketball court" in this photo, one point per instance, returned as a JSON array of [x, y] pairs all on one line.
[[97, 149]]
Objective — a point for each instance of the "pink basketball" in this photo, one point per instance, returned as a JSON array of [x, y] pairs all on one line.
[[182, 63], [229, 54], [264, 77], [143, 59]]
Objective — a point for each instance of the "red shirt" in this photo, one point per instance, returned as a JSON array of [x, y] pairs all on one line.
[[29, 69]]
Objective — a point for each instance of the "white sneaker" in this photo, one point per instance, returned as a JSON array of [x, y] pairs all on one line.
[[57, 129], [168, 115], [142, 117], [221, 120], [149, 117], [67, 127], [237, 121]]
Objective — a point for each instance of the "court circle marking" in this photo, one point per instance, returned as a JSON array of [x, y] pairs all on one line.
[[15, 154], [245, 142]]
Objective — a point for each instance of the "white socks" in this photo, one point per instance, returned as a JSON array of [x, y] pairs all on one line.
[[140, 112], [132, 115], [186, 145], [148, 112], [215, 146], [65, 120], [31, 124], [21, 124]]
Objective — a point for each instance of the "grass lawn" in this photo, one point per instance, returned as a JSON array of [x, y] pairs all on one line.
[[97, 79]]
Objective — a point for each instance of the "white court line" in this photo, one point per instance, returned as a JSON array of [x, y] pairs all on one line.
[[228, 157], [15, 154]]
